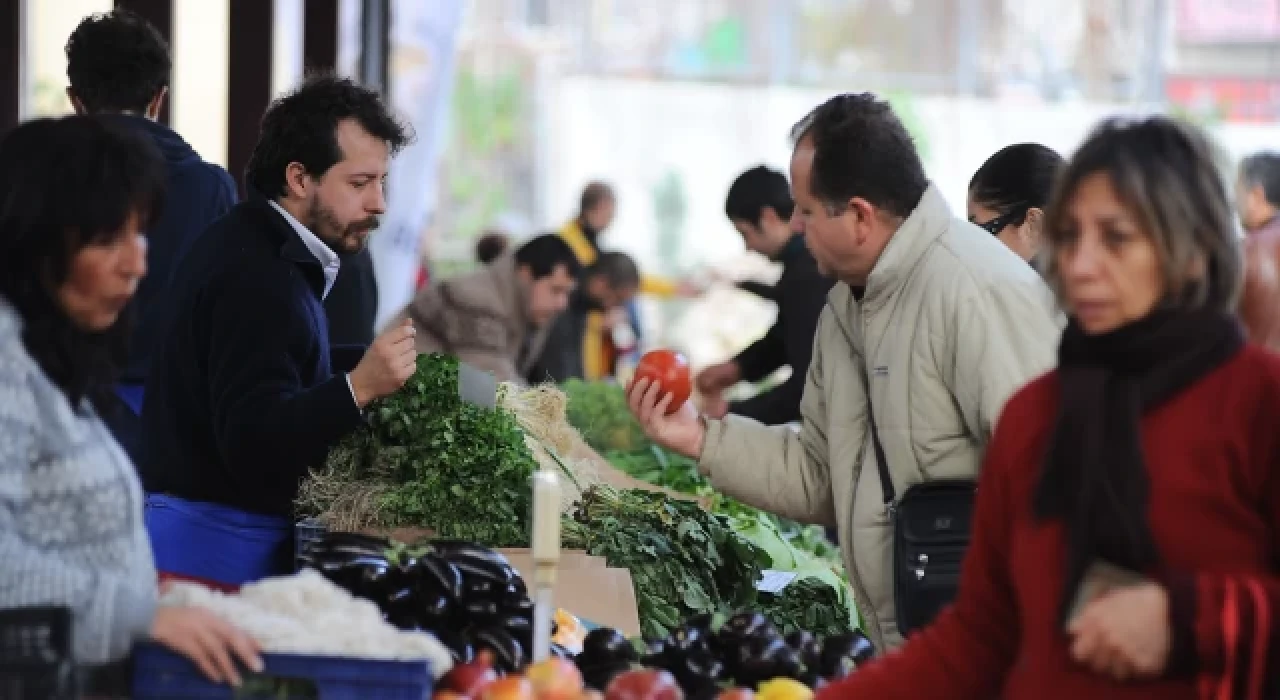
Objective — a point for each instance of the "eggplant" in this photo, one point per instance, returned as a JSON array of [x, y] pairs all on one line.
[[799, 639], [517, 606], [836, 659], [458, 645], [475, 568], [743, 627], [455, 548], [863, 649], [686, 640], [655, 653], [760, 659], [517, 626], [698, 672], [480, 612], [508, 653], [438, 574], [480, 589], [703, 622], [607, 645], [434, 610]]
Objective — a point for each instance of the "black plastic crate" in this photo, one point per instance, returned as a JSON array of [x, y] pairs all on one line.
[[306, 532], [35, 654]]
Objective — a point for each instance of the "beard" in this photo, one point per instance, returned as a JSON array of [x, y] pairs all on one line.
[[345, 239]]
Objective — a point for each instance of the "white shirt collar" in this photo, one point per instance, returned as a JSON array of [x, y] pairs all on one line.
[[329, 260]]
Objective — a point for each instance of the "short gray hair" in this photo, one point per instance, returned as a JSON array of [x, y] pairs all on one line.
[[1263, 169], [1163, 171]]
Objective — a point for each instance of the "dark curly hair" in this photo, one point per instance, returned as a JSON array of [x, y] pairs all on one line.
[[66, 184], [117, 62], [861, 149], [302, 127]]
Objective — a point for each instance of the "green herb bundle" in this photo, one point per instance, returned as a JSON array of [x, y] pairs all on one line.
[[808, 604], [684, 561], [439, 462]]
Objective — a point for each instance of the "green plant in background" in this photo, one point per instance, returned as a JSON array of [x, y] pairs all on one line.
[[670, 210], [488, 132]]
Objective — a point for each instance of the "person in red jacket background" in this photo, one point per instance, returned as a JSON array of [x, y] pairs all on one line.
[[1127, 528]]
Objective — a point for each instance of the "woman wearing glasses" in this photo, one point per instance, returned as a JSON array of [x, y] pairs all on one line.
[[1008, 194]]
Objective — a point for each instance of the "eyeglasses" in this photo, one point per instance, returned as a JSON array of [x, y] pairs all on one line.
[[996, 225]]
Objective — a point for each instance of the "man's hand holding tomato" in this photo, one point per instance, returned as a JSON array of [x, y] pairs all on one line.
[[659, 399]]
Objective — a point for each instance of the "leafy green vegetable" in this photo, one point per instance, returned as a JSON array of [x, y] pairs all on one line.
[[684, 561], [457, 468], [806, 604], [599, 411]]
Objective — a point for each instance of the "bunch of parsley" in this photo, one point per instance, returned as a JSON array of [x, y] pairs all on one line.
[[454, 467]]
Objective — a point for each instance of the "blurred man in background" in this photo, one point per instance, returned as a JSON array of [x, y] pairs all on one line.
[[1258, 200], [607, 286], [118, 67], [759, 205], [498, 317]]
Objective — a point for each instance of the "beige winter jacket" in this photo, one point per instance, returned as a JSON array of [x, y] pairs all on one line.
[[952, 323], [481, 318]]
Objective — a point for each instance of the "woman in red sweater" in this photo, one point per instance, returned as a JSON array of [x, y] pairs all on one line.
[[1127, 531]]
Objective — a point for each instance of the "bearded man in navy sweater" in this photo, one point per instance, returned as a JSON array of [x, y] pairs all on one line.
[[246, 393], [118, 67]]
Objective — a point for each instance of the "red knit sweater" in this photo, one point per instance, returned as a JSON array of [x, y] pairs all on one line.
[[1213, 456]]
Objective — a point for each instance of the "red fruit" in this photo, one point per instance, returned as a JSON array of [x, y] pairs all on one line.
[[736, 694], [555, 679], [469, 679], [646, 684], [448, 695], [670, 370], [509, 688]]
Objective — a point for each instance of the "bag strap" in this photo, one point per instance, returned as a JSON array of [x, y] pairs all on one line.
[[882, 463]]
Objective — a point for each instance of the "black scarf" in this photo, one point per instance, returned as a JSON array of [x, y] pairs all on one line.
[[1094, 478]]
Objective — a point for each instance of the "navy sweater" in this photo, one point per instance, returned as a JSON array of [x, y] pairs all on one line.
[[244, 395], [197, 193]]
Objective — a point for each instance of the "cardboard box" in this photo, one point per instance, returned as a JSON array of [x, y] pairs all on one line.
[[588, 588]]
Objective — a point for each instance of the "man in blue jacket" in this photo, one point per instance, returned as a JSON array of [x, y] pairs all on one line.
[[118, 67], [246, 393]]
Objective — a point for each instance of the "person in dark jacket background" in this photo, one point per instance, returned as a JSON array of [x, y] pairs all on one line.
[[246, 392], [118, 67], [759, 205], [606, 286]]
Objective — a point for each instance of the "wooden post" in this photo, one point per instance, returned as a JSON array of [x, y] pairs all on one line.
[[249, 80]]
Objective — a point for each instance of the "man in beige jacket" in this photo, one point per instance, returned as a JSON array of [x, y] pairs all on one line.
[[497, 318], [938, 315]]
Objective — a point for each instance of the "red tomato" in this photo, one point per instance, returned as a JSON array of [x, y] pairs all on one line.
[[670, 370], [646, 684]]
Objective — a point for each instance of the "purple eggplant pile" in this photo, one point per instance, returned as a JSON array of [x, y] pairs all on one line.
[[467, 595], [745, 651]]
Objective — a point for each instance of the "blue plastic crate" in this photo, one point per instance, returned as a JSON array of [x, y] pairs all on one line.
[[159, 674]]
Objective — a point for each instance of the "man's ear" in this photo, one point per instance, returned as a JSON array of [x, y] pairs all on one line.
[[524, 274], [297, 183], [157, 103], [76, 104], [768, 219]]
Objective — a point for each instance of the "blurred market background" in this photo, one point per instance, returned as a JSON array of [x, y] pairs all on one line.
[[519, 103]]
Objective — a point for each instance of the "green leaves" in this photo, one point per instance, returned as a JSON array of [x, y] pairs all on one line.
[[683, 560], [454, 467]]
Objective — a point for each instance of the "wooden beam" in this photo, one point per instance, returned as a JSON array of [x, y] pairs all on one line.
[[249, 80], [11, 63], [320, 36], [160, 14]]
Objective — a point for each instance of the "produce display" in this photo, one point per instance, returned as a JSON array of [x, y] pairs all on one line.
[[669, 370], [684, 561], [423, 460], [817, 600], [468, 596], [307, 614], [741, 658]]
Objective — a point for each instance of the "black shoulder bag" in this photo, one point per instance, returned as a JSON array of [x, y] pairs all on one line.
[[931, 526]]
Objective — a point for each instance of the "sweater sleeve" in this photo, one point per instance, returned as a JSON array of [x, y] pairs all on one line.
[[966, 653], [1226, 627], [110, 612]]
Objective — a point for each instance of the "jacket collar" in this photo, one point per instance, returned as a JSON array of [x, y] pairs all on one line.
[[907, 246], [291, 247]]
